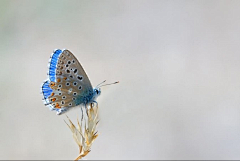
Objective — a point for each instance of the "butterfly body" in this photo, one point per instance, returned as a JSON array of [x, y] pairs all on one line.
[[68, 85]]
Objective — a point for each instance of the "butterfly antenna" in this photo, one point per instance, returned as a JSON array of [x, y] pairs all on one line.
[[109, 84], [101, 83]]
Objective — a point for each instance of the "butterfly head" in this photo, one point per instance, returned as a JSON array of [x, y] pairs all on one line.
[[97, 91]]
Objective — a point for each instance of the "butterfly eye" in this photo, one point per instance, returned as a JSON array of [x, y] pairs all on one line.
[[75, 93], [63, 97], [75, 83], [70, 104], [67, 84], [80, 87], [60, 86], [60, 94]]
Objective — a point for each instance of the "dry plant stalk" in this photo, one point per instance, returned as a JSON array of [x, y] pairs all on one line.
[[84, 135]]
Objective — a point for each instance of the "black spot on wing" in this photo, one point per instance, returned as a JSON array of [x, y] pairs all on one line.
[[80, 78]]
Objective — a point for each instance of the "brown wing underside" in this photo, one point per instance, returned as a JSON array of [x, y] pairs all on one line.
[[71, 81]]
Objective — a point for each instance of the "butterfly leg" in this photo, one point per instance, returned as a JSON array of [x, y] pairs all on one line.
[[95, 102], [86, 109], [82, 113]]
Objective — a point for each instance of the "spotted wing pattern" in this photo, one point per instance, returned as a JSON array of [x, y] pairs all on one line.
[[68, 84]]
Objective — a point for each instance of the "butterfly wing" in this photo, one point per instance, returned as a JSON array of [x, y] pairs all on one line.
[[68, 84]]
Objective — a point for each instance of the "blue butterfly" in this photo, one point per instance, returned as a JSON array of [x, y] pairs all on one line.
[[68, 84]]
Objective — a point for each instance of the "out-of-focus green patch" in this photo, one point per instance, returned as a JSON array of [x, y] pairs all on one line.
[[4, 4]]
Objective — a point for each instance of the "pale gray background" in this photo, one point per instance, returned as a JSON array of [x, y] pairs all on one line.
[[177, 63]]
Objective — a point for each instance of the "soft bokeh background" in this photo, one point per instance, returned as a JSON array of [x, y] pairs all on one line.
[[177, 63]]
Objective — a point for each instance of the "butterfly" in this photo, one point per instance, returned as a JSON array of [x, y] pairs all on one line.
[[67, 85]]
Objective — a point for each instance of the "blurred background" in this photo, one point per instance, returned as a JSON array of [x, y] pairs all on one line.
[[177, 63]]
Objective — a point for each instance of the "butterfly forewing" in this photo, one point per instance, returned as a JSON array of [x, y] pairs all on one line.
[[71, 84]]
